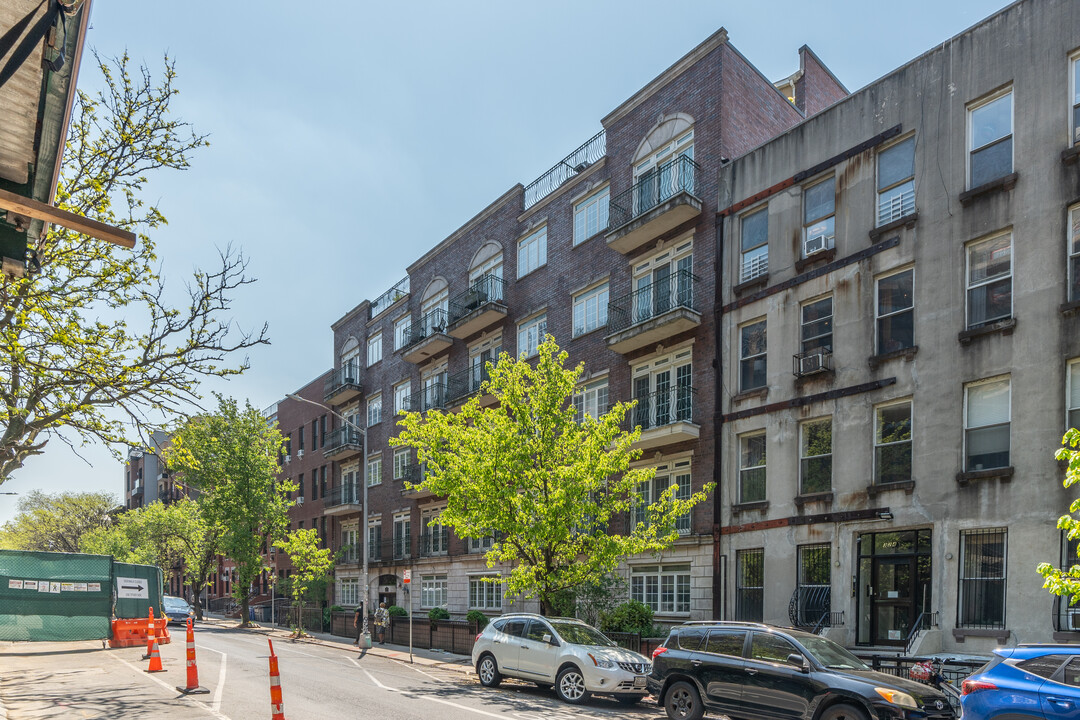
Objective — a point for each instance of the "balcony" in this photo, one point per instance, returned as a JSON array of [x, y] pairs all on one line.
[[479, 307], [413, 475], [427, 338], [659, 201], [463, 385], [349, 554], [592, 150], [666, 417], [432, 397], [343, 442], [434, 541], [137, 491], [342, 500], [390, 551], [653, 313], [343, 385]]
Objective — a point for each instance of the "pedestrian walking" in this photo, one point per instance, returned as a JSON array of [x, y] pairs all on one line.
[[358, 622], [382, 619]]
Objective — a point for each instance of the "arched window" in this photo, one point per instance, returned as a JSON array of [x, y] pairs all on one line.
[[486, 272], [664, 162]]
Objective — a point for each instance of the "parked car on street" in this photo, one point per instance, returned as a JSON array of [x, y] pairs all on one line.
[[752, 671], [574, 657], [1024, 683], [177, 609]]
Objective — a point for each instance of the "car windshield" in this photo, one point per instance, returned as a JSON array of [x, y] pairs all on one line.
[[580, 634], [176, 604], [830, 654]]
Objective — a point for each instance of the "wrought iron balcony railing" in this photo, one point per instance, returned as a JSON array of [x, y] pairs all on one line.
[[349, 553], [347, 376], [652, 300], [340, 438], [467, 382], [350, 494], [485, 289], [388, 298], [655, 187], [663, 407], [592, 150], [433, 323], [434, 541], [432, 397]]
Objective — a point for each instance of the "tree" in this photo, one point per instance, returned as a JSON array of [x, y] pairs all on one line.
[[547, 487], [231, 458], [310, 565], [57, 523], [1066, 581], [69, 356]]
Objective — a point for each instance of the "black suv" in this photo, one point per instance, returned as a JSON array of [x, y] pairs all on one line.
[[753, 671]]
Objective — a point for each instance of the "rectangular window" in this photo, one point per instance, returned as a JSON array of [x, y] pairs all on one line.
[[819, 217], [590, 310], [532, 252], [592, 400], [485, 595], [432, 591], [752, 467], [817, 318], [986, 425], [531, 334], [348, 591], [591, 216], [480, 356], [675, 475], [896, 181], [815, 458], [322, 431], [990, 139], [814, 583], [374, 410], [402, 536], [401, 332], [374, 471], [1074, 97], [401, 397], [322, 481], [482, 544], [1072, 392], [436, 536], [664, 588], [401, 463], [374, 540], [755, 245], [750, 584], [892, 443], [374, 349], [314, 486], [895, 311], [989, 280], [752, 356], [1073, 241], [981, 601]]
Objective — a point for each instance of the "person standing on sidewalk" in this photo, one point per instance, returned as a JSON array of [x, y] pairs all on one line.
[[382, 619], [358, 622]]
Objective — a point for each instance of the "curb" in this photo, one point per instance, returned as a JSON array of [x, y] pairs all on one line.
[[3, 710]]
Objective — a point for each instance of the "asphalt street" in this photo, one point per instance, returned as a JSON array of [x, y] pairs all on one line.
[[81, 680]]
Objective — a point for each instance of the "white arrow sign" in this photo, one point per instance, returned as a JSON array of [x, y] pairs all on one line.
[[132, 588]]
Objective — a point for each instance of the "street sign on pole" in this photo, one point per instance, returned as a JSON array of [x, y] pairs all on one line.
[[407, 577]]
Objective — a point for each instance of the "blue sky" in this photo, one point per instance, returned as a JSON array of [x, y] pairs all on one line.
[[346, 139]]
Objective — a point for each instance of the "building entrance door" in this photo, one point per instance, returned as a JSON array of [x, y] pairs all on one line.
[[894, 585], [892, 597], [388, 598]]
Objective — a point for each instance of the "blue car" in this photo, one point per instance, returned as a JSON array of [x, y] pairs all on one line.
[[1027, 682]]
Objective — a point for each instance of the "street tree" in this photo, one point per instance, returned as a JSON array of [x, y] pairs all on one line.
[[310, 564], [91, 344], [547, 487], [231, 458], [57, 523], [1065, 581]]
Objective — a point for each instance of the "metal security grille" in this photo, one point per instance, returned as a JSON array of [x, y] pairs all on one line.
[[55, 596], [749, 584], [814, 584], [981, 602]]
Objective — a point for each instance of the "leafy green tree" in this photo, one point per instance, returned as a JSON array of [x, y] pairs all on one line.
[[310, 565], [89, 340], [231, 458], [57, 523], [1066, 581], [549, 488]]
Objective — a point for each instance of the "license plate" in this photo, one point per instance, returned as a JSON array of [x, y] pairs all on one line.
[[639, 681]]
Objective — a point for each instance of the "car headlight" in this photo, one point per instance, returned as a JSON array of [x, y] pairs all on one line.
[[601, 662], [897, 698]]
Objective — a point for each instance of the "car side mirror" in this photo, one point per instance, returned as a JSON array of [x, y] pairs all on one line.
[[550, 640], [799, 661]]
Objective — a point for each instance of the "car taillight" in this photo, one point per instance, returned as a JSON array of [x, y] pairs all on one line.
[[970, 686], [660, 650], [478, 636]]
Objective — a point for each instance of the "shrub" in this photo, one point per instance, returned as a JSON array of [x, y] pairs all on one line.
[[397, 611], [479, 618], [631, 616], [438, 613]]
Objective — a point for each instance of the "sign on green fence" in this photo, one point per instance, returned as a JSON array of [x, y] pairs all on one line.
[[55, 596], [137, 587]]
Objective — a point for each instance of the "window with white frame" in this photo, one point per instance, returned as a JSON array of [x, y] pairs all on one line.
[[817, 324], [895, 310], [1072, 400], [752, 356], [435, 536], [350, 364], [350, 542], [662, 283], [892, 443], [434, 312], [752, 467], [480, 355], [987, 412], [896, 181], [493, 266], [482, 544], [401, 463], [374, 349], [375, 539], [815, 456], [590, 309], [350, 484], [402, 536], [591, 399], [1073, 241], [819, 217], [750, 584], [433, 381], [1074, 97], [348, 591], [374, 471], [374, 410], [485, 594], [664, 390], [989, 280], [664, 173], [990, 138], [532, 252], [401, 332], [401, 397], [755, 245], [677, 475], [591, 216], [432, 591], [982, 578], [664, 588], [531, 334]]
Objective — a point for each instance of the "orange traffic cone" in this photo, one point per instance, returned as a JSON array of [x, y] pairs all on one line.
[[277, 709], [150, 635], [192, 669], [155, 659]]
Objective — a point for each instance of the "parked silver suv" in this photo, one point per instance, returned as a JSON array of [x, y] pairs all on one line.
[[574, 657]]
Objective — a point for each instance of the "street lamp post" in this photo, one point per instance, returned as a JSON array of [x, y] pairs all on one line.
[[364, 508]]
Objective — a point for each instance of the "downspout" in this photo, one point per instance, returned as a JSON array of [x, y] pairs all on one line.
[[718, 422]]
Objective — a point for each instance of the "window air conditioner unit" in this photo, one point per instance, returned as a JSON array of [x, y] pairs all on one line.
[[299, 453], [815, 361], [300, 500], [288, 458], [813, 245]]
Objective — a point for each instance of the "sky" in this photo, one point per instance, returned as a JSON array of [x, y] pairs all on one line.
[[347, 139]]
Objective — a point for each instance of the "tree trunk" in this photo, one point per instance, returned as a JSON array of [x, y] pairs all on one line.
[[245, 612]]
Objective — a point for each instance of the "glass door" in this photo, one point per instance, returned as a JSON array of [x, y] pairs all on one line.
[[892, 597]]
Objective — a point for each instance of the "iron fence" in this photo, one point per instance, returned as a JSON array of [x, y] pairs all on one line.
[[657, 186], [650, 301], [431, 397], [467, 382], [433, 323], [482, 291], [342, 495], [345, 376], [592, 150], [662, 407], [340, 438], [455, 636]]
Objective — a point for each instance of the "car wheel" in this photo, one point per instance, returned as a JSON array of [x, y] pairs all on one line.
[[843, 712], [683, 702], [629, 698], [488, 671], [570, 686]]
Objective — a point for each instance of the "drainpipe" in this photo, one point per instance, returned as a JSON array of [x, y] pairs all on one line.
[[718, 422]]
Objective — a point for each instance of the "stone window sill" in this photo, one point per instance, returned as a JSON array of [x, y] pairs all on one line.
[[1003, 327], [1069, 156], [908, 486], [1066, 637], [1004, 474], [999, 634], [908, 221], [752, 284], [823, 256], [824, 497], [1001, 184], [1070, 308], [748, 506], [908, 354], [758, 394]]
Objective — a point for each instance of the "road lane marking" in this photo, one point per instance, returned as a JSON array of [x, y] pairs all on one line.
[[216, 713]]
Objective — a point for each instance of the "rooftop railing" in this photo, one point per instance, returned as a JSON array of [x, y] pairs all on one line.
[[388, 298], [592, 150]]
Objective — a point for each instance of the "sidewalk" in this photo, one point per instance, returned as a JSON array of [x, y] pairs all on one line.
[[420, 656]]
